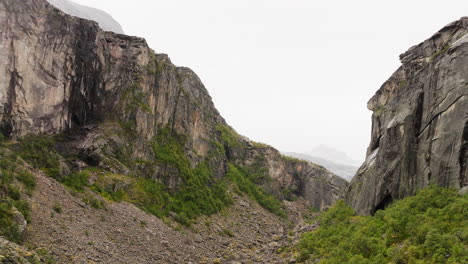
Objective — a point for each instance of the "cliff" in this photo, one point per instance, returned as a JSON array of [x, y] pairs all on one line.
[[419, 124], [117, 105]]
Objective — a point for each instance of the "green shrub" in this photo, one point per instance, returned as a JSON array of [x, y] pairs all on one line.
[[57, 208], [76, 181], [228, 136], [27, 179], [8, 228], [39, 152], [430, 227], [292, 159]]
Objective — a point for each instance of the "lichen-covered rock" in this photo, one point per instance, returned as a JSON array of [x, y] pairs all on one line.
[[419, 124], [16, 254]]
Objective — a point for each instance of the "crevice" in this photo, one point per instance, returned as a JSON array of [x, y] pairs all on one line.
[[438, 114], [179, 94], [462, 159], [6, 126], [384, 203]]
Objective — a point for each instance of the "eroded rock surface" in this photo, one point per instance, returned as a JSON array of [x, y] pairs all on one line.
[[419, 124]]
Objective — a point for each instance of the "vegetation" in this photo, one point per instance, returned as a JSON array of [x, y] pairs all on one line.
[[39, 152], [292, 159], [378, 111], [228, 135], [76, 181], [246, 183], [13, 179], [439, 52], [430, 227]]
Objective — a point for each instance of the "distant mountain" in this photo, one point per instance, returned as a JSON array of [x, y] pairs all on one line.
[[105, 20], [343, 170], [333, 155]]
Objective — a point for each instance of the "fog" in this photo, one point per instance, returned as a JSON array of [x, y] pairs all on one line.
[[290, 73]]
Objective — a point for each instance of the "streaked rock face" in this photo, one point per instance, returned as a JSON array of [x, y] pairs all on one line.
[[419, 125], [105, 20], [64, 74]]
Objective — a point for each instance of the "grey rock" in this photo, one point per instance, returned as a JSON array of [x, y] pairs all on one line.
[[419, 125], [463, 190], [19, 219], [64, 169], [198, 238]]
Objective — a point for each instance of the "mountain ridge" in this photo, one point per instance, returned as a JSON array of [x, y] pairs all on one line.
[[105, 20]]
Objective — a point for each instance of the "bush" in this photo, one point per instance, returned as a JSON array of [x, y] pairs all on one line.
[[76, 181], [27, 179], [40, 153], [8, 228], [228, 135], [430, 227]]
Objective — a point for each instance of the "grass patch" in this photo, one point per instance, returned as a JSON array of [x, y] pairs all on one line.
[[27, 179], [292, 159], [431, 227], [229, 136], [439, 52], [39, 152], [77, 181], [11, 194]]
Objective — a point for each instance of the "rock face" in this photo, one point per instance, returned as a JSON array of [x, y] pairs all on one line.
[[291, 176], [112, 96], [105, 20], [345, 171], [419, 124]]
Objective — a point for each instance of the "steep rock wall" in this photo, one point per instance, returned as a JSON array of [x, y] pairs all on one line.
[[110, 96], [419, 124]]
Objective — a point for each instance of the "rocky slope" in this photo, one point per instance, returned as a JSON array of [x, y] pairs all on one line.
[[419, 124], [105, 20], [104, 114]]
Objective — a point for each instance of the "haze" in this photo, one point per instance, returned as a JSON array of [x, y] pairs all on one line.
[[293, 74]]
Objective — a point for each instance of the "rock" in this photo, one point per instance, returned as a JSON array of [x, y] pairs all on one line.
[[463, 190], [14, 253], [64, 169], [419, 125], [198, 238], [19, 219]]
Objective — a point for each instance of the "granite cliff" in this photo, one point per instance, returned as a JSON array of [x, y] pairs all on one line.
[[419, 124]]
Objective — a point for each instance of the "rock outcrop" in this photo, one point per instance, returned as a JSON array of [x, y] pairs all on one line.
[[105, 20], [110, 97], [419, 124]]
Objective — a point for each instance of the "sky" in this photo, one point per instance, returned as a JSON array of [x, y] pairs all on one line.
[[290, 73]]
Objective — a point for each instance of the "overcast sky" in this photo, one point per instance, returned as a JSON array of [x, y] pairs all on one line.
[[290, 73]]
